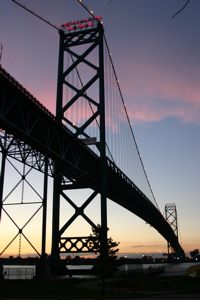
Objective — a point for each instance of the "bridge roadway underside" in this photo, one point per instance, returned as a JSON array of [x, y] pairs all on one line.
[[22, 116]]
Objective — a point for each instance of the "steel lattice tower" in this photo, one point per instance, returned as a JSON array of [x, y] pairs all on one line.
[[171, 217], [89, 40]]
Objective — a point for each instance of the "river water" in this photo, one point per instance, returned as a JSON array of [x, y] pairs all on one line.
[[172, 269]]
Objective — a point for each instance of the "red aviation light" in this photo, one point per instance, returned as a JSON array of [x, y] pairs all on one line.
[[80, 24]]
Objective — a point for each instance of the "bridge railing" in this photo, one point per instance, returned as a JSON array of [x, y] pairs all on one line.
[[25, 92], [129, 182], [22, 89]]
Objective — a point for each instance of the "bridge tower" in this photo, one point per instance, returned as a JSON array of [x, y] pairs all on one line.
[[80, 76], [172, 219]]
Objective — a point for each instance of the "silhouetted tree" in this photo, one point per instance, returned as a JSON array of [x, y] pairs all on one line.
[[194, 253], [104, 265], [111, 245]]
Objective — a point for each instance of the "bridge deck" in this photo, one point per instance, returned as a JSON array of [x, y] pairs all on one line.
[[22, 116]]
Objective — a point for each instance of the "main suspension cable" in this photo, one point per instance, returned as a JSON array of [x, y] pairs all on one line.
[[36, 15]]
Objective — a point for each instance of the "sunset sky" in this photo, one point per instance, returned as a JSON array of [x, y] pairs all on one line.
[[157, 61]]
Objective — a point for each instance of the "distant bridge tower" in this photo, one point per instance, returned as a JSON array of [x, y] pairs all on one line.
[[171, 217], [80, 75]]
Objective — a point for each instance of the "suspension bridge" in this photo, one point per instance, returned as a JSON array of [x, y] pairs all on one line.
[[89, 144]]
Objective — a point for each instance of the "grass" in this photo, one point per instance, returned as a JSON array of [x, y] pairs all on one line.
[[70, 289]]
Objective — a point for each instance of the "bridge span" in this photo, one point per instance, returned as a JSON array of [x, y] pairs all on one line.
[[25, 121]]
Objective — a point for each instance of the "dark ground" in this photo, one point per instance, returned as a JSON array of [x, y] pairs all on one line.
[[142, 287]]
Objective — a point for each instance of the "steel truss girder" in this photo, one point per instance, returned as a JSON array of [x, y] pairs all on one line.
[[5, 203], [18, 150], [22, 116]]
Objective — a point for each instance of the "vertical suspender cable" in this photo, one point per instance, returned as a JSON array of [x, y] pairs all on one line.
[[125, 109]]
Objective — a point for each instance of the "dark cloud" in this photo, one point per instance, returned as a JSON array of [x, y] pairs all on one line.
[[141, 246]]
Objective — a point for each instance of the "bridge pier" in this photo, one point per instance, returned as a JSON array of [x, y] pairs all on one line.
[[13, 151]]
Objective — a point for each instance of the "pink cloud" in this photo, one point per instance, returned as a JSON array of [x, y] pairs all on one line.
[[152, 90], [155, 92]]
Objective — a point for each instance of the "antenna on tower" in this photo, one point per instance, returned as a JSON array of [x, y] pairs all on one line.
[[36, 15]]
